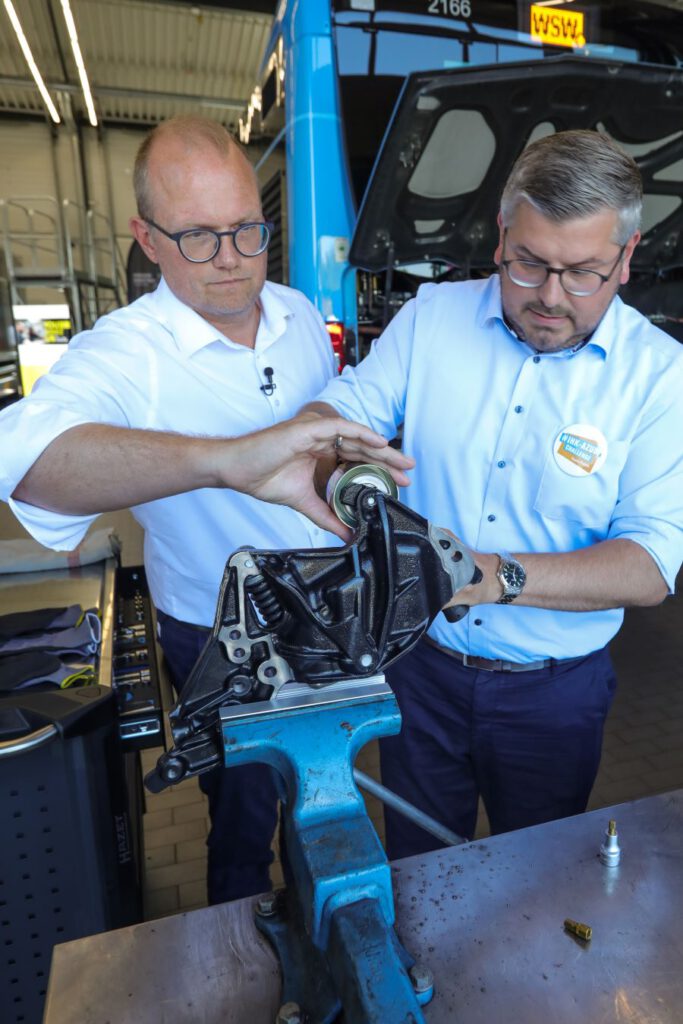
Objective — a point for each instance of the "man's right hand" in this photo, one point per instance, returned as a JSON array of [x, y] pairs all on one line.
[[279, 464]]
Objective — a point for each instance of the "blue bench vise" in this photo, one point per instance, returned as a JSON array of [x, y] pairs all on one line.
[[291, 675]]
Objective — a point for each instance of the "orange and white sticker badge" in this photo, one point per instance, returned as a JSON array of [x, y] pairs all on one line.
[[580, 449]]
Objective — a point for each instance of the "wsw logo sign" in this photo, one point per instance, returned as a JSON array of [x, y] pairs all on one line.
[[557, 28]]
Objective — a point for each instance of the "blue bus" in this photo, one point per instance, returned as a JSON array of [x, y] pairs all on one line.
[[382, 131]]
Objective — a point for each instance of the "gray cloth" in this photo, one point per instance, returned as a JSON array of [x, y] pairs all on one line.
[[83, 639], [32, 668], [38, 620]]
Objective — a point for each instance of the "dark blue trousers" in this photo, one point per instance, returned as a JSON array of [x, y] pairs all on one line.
[[528, 743], [242, 800]]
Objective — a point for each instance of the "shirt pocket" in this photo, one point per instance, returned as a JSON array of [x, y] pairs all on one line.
[[588, 500]]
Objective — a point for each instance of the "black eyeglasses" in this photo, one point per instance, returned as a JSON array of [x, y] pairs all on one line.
[[199, 245], [582, 283]]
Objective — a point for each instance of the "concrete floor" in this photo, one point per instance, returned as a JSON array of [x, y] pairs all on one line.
[[642, 754]]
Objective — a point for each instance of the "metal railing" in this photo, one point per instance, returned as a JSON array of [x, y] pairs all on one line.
[[33, 239], [65, 246]]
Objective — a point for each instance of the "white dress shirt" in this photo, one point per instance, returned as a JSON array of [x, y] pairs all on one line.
[[158, 365], [496, 431]]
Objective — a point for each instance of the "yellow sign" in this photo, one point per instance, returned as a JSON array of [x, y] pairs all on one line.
[[557, 28], [35, 359], [56, 330]]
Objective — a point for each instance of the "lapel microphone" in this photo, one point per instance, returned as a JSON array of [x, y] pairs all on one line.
[[268, 387]]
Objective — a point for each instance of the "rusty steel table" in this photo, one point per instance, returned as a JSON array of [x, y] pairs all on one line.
[[487, 918]]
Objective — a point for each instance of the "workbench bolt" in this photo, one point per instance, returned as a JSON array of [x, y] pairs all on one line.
[[289, 1013], [421, 977], [266, 906]]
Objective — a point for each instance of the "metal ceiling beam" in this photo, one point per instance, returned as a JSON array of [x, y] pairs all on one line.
[[238, 6], [220, 103]]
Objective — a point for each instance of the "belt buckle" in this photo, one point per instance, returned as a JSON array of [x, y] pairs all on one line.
[[475, 661]]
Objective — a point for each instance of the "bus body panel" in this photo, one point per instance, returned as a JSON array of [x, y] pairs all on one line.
[[331, 98]]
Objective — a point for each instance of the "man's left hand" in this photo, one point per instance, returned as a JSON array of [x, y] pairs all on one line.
[[488, 589]]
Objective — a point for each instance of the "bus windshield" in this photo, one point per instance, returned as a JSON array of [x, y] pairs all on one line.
[[380, 42]]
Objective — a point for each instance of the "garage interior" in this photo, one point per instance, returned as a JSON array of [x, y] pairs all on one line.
[[66, 193], [65, 200]]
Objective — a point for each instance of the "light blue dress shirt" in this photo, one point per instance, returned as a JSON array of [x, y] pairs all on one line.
[[158, 365], [484, 417]]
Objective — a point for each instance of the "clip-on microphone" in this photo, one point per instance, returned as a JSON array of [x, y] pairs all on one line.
[[269, 387]]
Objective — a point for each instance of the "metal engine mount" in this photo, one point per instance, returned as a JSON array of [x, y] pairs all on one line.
[[315, 616]]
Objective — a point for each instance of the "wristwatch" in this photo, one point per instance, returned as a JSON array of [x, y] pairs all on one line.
[[512, 576]]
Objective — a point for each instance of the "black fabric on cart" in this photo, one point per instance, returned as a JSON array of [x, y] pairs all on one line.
[[38, 620], [17, 670]]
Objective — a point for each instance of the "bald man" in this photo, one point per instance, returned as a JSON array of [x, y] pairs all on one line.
[[137, 413]]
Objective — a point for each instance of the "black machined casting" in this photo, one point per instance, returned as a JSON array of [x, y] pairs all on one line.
[[316, 616]]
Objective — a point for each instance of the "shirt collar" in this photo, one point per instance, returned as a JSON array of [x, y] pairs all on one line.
[[191, 332], [491, 309], [604, 334], [275, 313]]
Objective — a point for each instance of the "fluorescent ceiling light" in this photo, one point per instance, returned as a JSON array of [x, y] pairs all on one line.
[[26, 49], [78, 57]]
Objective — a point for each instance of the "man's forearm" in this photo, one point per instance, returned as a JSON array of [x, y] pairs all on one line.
[[98, 468], [612, 574]]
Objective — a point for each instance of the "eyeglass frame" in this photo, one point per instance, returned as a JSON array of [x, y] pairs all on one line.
[[176, 237], [604, 278]]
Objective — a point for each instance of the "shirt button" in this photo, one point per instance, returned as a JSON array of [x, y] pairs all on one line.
[[537, 359], [277, 401], [491, 518], [519, 408], [501, 464], [477, 622]]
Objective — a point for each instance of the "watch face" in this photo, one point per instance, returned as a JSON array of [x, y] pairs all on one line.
[[514, 575]]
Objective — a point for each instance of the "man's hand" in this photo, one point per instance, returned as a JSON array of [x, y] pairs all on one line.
[[279, 464], [488, 589]]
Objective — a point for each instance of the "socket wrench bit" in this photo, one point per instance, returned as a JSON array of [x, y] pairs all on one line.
[[610, 851]]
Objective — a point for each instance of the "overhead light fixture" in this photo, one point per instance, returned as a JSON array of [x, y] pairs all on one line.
[[78, 57], [26, 50]]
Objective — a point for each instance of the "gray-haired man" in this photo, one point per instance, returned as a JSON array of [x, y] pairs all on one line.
[[545, 417]]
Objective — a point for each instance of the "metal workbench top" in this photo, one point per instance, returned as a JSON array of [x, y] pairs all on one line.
[[487, 918]]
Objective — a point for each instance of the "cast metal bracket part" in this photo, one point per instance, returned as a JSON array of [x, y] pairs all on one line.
[[316, 616]]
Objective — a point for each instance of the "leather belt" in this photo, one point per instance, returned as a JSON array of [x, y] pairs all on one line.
[[493, 664]]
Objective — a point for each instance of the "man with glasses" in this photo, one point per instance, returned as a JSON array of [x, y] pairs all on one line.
[[546, 419], [137, 413]]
